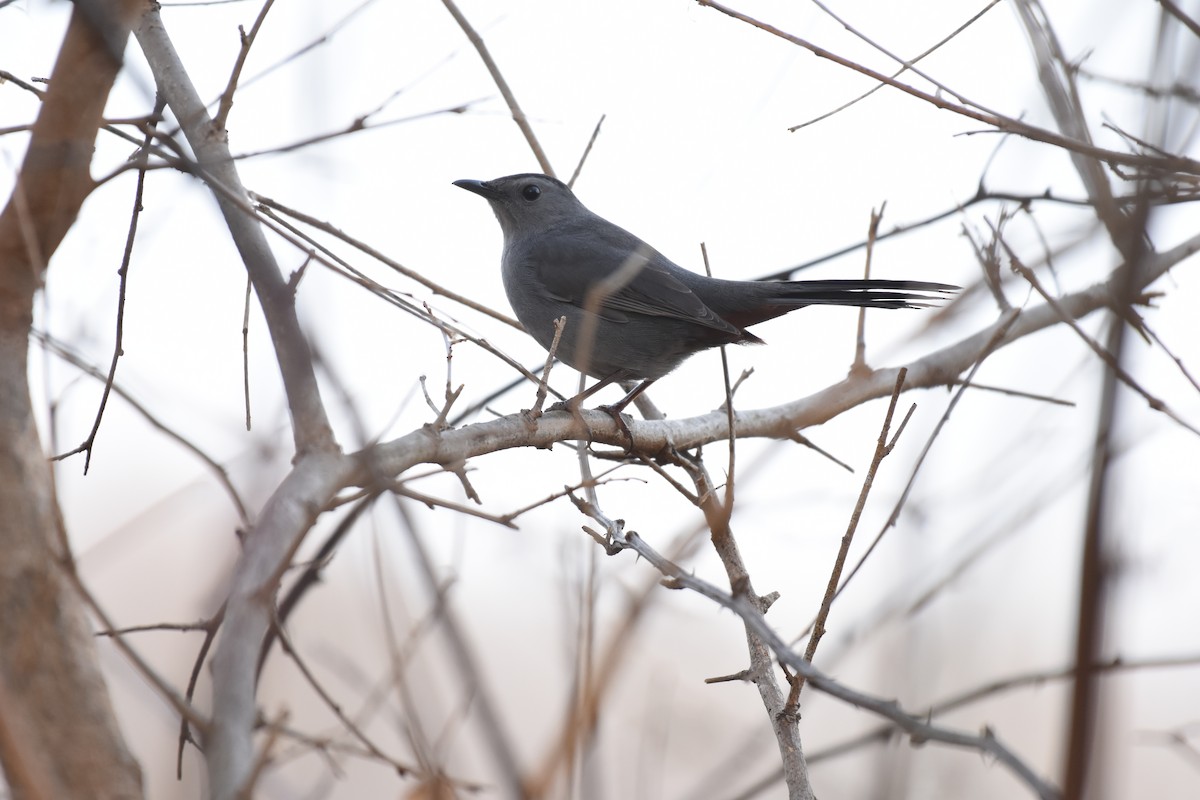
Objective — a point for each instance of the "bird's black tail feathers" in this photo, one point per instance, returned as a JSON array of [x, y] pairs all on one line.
[[863, 293]]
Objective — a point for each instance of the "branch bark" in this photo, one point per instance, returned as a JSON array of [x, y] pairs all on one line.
[[60, 738]]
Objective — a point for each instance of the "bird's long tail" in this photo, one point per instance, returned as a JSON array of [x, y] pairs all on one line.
[[865, 293]]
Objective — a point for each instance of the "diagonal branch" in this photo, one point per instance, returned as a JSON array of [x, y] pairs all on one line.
[[310, 424], [518, 114]]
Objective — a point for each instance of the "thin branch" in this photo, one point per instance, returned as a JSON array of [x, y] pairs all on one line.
[[996, 341], [357, 125], [231, 87], [1178, 13], [918, 728], [540, 399], [219, 472], [348, 724], [999, 122], [123, 275], [499, 742], [165, 690], [859, 365], [906, 65], [395, 266], [1080, 765], [886, 731], [882, 449], [517, 114], [1108, 358], [587, 151]]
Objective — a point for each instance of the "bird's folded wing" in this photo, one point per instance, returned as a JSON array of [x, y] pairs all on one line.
[[623, 281]]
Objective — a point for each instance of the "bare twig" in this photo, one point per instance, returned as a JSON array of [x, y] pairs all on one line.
[[336, 707], [499, 743], [123, 275], [886, 731], [1178, 13], [311, 429], [540, 400], [1000, 122], [246, 348], [917, 727], [1080, 765], [1108, 358], [226, 105], [357, 125], [222, 475], [905, 66], [586, 151], [997, 338], [388, 262], [518, 115], [859, 364], [883, 448]]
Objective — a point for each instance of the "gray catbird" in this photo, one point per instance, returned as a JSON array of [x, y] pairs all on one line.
[[632, 314]]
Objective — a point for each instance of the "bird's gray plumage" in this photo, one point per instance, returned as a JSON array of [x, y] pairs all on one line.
[[631, 313]]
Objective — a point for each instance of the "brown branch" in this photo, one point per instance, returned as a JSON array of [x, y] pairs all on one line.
[[586, 151], [883, 448], [518, 114], [905, 64], [231, 87], [395, 266], [123, 275], [54, 695], [219, 472], [999, 122], [1177, 12], [1081, 765]]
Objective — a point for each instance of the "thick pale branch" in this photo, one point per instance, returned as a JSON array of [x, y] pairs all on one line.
[[310, 424], [268, 549]]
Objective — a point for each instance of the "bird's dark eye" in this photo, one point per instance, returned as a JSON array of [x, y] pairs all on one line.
[[531, 192]]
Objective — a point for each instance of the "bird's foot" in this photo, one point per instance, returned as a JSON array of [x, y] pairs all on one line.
[[614, 411]]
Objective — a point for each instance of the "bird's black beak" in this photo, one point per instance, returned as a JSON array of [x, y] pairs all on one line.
[[480, 188]]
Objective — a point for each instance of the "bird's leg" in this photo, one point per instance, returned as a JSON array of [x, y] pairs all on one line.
[[615, 409], [575, 403]]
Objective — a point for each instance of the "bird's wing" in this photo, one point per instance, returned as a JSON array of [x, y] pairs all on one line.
[[622, 274]]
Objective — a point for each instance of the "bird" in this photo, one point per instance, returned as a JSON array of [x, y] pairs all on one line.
[[632, 314]]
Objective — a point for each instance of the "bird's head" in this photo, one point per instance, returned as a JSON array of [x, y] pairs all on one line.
[[526, 203]]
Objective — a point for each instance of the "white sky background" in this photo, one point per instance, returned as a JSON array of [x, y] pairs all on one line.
[[695, 148]]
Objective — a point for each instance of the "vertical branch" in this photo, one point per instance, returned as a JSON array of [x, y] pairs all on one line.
[[319, 467], [762, 662], [860, 342], [1081, 765], [60, 736], [123, 275]]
